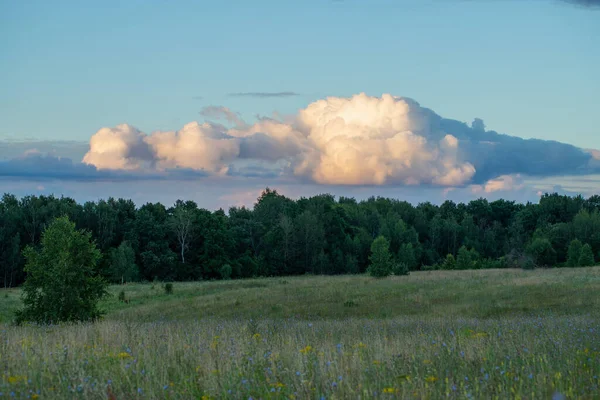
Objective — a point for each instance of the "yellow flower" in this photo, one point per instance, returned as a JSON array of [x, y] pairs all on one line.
[[35, 396], [431, 379], [256, 336], [558, 375], [376, 362], [427, 362], [306, 350], [123, 355], [389, 390], [14, 380], [278, 385], [361, 345]]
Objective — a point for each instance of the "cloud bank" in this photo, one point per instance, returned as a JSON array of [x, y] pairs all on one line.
[[360, 140]]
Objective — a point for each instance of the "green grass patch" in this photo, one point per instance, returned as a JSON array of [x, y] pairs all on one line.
[[485, 334]]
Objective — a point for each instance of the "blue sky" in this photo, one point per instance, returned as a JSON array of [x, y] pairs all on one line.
[[69, 68]]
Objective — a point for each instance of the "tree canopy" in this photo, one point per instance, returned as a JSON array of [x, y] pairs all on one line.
[[319, 235]]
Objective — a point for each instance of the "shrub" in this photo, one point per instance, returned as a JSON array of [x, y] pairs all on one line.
[[400, 269], [169, 288], [467, 259], [527, 263], [380, 258], [586, 259], [225, 271], [61, 283], [449, 262], [122, 296], [541, 251]]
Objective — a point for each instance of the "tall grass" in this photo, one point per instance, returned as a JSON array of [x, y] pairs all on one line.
[[468, 338]]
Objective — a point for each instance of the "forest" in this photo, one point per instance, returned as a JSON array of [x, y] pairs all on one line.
[[317, 235]]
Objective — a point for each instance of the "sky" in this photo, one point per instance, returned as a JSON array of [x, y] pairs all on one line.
[[350, 97]]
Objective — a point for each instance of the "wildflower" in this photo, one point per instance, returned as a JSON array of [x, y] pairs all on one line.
[[297, 373], [165, 387], [13, 380], [140, 390], [361, 345], [389, 390], [124, 355], [306, 350], [334, 385], [33, 396], [431, 379], [376, 362], [427, 362], [558, 375]]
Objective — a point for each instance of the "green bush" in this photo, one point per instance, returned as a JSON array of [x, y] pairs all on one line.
[[380, 258], [541, 251], [225, 271], [62, 284], [586, 259], [449, 262], [467, 259], [169, 288], [401, 269], [122, 296]]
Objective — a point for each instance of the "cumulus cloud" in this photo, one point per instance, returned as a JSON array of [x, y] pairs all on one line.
[[361, 140], [500, 184]]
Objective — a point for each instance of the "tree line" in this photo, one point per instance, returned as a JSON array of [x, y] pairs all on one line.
[[317, 235]]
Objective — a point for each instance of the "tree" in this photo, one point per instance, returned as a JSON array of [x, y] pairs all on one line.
[[406, 255], [122, 264], [61, 283], [542, 252], [449, 262], [574, 253], [181, 223], [586, 259], [466, 259], [381, 258]]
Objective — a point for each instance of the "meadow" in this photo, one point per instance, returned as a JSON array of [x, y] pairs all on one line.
[[439, 334]]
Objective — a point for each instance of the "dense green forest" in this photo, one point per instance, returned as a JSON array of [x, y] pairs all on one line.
[[317, 235]]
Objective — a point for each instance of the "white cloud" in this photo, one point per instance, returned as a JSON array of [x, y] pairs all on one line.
[[360, 140]]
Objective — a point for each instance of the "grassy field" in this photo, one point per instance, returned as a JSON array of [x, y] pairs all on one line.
[[480, 334]]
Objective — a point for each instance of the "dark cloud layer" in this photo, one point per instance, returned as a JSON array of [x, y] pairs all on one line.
[[584, 3], [37, 166]]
